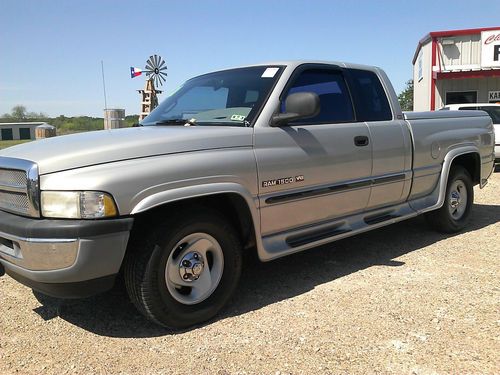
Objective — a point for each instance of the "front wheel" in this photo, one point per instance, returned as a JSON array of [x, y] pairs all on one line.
[[455, 213], [184, 271]]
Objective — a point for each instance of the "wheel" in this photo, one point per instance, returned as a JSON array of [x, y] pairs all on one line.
[[184, 271], [454, 215]]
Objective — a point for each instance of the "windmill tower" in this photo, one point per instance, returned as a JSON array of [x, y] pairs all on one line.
[[155, 69]]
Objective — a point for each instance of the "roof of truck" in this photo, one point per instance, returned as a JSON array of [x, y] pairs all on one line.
[[296, 63]]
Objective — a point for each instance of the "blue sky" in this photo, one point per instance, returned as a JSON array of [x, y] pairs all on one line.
[[51, 51]]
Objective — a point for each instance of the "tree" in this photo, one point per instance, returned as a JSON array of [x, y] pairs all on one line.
[[406, 97], [19, 112]]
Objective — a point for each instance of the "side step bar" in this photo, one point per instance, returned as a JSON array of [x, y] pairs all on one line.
[[380, 218], [283, 243], [317, 235]]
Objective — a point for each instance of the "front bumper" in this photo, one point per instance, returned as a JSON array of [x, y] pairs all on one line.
[[63, 258]]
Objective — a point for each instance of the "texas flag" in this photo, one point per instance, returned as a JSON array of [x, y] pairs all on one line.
[[134, 72]]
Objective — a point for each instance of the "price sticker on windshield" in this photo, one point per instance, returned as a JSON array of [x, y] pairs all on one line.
[[237, 117], [269, 73]]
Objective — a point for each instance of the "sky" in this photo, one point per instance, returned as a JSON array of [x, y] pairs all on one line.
[[51, 51]]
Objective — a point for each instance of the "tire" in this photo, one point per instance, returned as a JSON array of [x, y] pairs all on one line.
[[455, 213], [183, 271]]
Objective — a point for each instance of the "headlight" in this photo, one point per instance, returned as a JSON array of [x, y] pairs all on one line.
[[77, 205]]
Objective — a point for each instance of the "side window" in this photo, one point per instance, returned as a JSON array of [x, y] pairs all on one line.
[[369, 96], [334, 98]]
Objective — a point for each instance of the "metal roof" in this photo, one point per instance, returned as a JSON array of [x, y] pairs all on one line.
[[35, 123], [440, 34]]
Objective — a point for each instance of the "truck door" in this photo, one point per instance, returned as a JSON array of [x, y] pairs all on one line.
[[314, 170], [390, 139]]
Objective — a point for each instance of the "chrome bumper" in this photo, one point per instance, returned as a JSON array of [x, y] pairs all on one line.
[[38, 254], [63, 258]]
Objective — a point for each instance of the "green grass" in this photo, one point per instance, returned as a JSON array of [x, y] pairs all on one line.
[[5, 144]]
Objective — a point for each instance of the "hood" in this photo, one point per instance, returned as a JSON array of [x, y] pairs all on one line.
[[105, 146]]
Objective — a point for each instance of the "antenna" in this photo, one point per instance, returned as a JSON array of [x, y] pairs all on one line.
[[104, 86]]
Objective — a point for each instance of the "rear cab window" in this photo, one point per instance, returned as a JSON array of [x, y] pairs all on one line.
[[369, 96]]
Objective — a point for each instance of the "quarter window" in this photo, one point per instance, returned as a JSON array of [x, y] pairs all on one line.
[[369, 96], [334, 97]]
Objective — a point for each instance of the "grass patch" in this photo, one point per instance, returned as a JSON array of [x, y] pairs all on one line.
[[5, 144]]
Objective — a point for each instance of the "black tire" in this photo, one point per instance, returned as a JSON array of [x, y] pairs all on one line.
[[442, 219], [146, 262]]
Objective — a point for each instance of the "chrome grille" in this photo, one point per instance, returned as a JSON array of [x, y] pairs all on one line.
[[19, 192], [14, 202], [13, 178]]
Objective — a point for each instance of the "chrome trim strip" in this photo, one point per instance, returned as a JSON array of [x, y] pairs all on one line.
[[36, 240], [335, 188]]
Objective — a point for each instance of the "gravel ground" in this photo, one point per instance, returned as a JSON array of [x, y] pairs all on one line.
[[401, 299]]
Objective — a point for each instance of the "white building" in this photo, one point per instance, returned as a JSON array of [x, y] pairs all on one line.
[[18, 130], [457, 66]]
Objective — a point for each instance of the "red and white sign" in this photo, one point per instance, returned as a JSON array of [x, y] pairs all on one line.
[[490, 49]]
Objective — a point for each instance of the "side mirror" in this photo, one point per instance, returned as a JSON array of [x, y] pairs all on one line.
[[298, 105]]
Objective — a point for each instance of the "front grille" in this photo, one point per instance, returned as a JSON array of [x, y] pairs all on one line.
[[19, 187], [14, 202], [13, 178]]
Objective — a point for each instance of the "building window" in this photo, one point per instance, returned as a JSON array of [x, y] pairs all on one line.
[[460, 97], [24, 133], [7, 134]]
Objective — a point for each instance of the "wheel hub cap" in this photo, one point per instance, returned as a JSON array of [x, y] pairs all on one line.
[[455, 199], [191, 266]]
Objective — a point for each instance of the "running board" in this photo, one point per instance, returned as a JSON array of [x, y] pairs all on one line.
[[313, 236], [380, 218], [283, 243]]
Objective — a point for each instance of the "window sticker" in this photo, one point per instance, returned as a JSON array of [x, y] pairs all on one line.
[[237, 118], [270, 72]]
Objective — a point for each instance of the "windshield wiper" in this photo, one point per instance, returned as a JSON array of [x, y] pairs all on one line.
[[177, 121]]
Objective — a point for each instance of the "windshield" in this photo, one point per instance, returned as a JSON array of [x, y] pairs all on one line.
[[230, 97]]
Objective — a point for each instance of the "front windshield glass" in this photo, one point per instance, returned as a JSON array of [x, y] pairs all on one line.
[[230, 97]]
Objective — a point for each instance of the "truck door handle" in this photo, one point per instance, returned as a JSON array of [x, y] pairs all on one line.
[[361, 140]]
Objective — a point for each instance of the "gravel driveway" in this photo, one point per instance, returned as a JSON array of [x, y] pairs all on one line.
[[401, 299]]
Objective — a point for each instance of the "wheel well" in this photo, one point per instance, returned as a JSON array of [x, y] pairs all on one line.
[[472, 164], [233, 206]]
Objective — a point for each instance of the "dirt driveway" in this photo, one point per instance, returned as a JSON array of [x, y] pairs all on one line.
[[402, 299]]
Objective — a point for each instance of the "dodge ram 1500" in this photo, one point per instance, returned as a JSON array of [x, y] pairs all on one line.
[[274, 158]]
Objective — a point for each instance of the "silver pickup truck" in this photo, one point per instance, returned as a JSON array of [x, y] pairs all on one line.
[[273, 158]]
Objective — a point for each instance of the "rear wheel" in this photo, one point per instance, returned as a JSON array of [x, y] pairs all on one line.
[[184, 271], [455, 213]]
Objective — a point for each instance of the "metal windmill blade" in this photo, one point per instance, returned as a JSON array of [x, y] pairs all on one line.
[[156, 70]]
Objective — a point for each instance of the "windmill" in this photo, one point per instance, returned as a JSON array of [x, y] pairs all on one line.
[[155, 70]]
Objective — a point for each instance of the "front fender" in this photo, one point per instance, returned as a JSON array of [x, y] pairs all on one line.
[[195, 191]]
